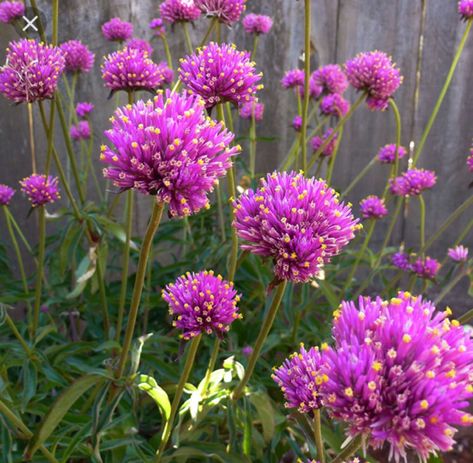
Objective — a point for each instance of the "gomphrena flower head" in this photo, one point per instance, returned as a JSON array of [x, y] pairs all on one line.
[[257, 24], [31, 72], [40, 189], [219, 74], [80, 131], [465, 8], [166, 72], [78, 57], [317, 142], [458, 253], [412, 182], [387, 153], [117, 30], [469, 160], [157, 25], [227, 11], [300, 379], [373, 207], [252, 109], [374, 73], [84, 108], [168, 147], [175, 11], [131, 69], [426, 267], [6, 194], [297, 123], [293, 78], [400, 373], [328, 79], [334, 105], [401, 260], [202, 303], [11, 11], [140, 44], [298, 222]]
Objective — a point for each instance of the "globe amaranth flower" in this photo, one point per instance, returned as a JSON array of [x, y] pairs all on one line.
[[317, 143], [387, 153], [40, 189], [401, 260], [220, 73], [300, 379], [458, 253], [6, 194], [84, 108], [469, 160], [334, 105], [117, 30], [465, 8], [297, 123], [140, 44], [78, 57], [31, 71], [80, 131], [426, 267], [11, 11], [157, 26], [252, 109], [373, 207], [227, 11], [298, 222], [400, 373], [294, 78], [202, 303], [328, 79], [257, 24], [166, 72], [168, 147], [175, 11], [131, 69], [247, 351], [374, 73], [412, 182]]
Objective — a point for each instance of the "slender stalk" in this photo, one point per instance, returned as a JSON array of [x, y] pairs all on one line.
[[167, 51], [17, 335], [397, 117], [263, 334], [334, 157], [221, 219], [305, 107], [55, 15], [40, 270], [255, 47], [18, 230], [252, 146], [451, 284], [50, 136], [102, 293], [319, 443], [360, 176], [466, 318], [349, 450], [187, 37], [40, 24], [31, 136], [318, 169], [422, 221], [211, 366], [211, 27]]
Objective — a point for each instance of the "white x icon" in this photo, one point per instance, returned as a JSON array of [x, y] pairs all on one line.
[[30, 23]]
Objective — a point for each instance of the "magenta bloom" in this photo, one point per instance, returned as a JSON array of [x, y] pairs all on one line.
[[469, 160], [257, 24], [400, 373], [296, 221], [300, 379], [175, 11], [426, 268], [202, 303], [6, 194], [117, 30], [373, 207], [11, 11], [40, 189], [387, 154], [247, 351], [293, 79], [465, 8], [227, 11], [297, 123], [458, 253], [140, 44], [328, 79], [166, 72], [78, 57], [80, 131], [169, 148], [31, 71], [252, 109], [84, 108], [317, 142], [374, 73], [220, 73], [157, 25], [401, 261], [334, 105], [412, 182]]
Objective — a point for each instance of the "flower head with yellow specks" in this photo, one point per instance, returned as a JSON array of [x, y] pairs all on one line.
[[40, 189], [226, 11]]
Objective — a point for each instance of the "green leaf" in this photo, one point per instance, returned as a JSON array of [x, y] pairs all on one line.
[[149, 385], [265, 414], [329, 293], [117, 230], [215, 452]]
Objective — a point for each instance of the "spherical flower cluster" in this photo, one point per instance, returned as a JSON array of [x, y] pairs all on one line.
[[247, 351], [140, 44], [469, 160], [334, 105], [328, 79], [40, 189], [465, 8], [80, 131], [31, 72], [166, 72], [425, 267], [202, 303], [11, 11], [373, 207], [458, 253], [317, 142], [300, 379], [175, 11], [227, 11], [84, 108], [387, 153], [131, 69], [252, 109], [374, 73], [297, 123], [168, 147], [257, 24], [6, 194], [298, 222], [412, 182], [400, 373], [293, 79], [220, 73], [401, 261], [157, 25], [117, 30], [78, 57]]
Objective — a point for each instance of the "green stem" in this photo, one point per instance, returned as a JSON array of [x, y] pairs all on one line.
[[397, 117], [252, 146], [255, 47], [50, 135], [187, 37], [305, 108], [319, 443], [211, 27], [211, 366], [334, 157], [18, 230], [451, 284], [360, 176], [55, 15], [422, 222], [167, 51], [40, 24], [40, 270], [31, 136], [349, 450], [17, 335], [466, 318], [221, 219]]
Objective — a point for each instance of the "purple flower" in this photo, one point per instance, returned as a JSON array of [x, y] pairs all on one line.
[[293, 79], [247, 351], [458, 253], [40, 189], [80, 131], [157, 25], [175, 11], [334, 105], [373, 207], [401, 261], [168, 147], [469, 160], [202, 303], [140, 44], [84, 108], [78, 57], [300, 379], [131, 69], [31, 71], [317, 142], [117, 30], [465, 8], [6, 194], [426, 268], [11, 11], [257, 24], [412, 182], [220, 73], [374, 73], [227, 11], [251, 109], [166, 72], [387, 154], [328, 79], [297, 123], [298, 222]]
